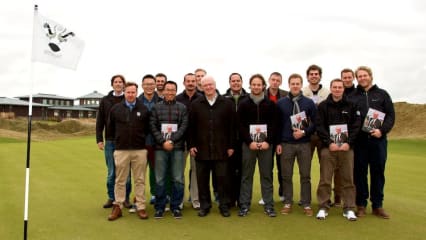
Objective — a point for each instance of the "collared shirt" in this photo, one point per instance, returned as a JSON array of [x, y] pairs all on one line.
[[117, 95], [211, 102], [130, 105]]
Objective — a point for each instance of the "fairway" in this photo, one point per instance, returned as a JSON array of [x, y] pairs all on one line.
[[67, 190]]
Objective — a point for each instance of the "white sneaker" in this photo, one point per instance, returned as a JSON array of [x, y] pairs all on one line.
[[322, 214], [350, 215], [132, 209], [261, 202], [282, 198]]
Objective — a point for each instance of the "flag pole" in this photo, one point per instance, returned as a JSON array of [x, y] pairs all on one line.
[[27, 168]]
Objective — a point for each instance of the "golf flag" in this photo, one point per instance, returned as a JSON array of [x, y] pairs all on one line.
[[53, 43]]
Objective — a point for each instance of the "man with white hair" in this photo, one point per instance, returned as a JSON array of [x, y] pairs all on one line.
[[211, 141]]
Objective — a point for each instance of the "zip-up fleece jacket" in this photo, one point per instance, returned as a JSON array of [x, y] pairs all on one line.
[[103, 114], [129, 127]]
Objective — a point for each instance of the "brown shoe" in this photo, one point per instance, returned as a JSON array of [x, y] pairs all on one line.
[[116, 213], [286, 209], [308, 211], [108, 204], [142, 214], [361, 211], [380, 212]]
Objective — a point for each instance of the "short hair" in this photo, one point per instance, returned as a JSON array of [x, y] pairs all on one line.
[[314, 67], [232, 74], [364, 68], [295, 75], [187, 75], [200, 69], [336, 80], [171, 83], [148, 76], [346, 70], [276, 74], [161, 75], [258, 75], [207, 77], [129, 84], [118, 76]]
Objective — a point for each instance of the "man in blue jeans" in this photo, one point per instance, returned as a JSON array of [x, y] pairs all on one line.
[[113, 97], [168, 123]]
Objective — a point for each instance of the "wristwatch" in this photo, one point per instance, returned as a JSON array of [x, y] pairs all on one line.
[[170, 141]]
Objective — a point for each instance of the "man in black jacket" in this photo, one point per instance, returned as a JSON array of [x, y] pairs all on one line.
[[371, 147], [212, 135], [236, 93], [337, 113], [128, 124], [113, 97]]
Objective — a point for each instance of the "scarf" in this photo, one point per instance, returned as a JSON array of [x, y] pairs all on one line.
[[257, 99], [296, 108]]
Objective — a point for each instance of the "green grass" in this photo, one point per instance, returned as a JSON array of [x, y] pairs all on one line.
[[67, 190]]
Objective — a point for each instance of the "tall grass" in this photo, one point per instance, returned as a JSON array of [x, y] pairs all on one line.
[[67, 190]]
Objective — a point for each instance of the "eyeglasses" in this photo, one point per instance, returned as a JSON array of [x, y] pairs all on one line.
[[148, 84], [170, 90]]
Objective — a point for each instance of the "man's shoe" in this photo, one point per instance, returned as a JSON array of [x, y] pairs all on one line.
[[177, 214], [203, 212], [282, 198], [350, 215], [361, 211], [116, 213], [225, 212], [261, 202], [322, 214], [243, 212], [308, 211], [142, 214], [109, 203], [270, 212], [127, 204], [380, 212], [286, 209], [159, 214]]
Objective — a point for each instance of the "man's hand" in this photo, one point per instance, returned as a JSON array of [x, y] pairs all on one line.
[[297, 133], [193, 151], [168, 146], [333, 147], [101, 145], [376, 133], [345, 147], [230, 152], [279, 149]]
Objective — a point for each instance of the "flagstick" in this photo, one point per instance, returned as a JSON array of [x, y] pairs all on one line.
[[27, 169]]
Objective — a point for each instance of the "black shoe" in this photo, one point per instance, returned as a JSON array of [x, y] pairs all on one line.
[[177, 214], [243, 212], [270, 212], [159, 214], [203, 212], [225, 213], [108, 204]]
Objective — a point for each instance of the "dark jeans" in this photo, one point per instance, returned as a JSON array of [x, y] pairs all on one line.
[[219, 169], [169, 165], [370, 152]]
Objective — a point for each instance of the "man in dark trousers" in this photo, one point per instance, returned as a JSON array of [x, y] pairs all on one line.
[[236, 93], [212, 131], [371, 147]]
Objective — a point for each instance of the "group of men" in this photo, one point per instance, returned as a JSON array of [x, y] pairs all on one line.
[[225, 135]]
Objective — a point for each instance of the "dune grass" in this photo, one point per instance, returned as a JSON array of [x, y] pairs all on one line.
[[67, 190]]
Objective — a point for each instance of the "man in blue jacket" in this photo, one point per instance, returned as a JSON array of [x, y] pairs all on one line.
[[295, 143]]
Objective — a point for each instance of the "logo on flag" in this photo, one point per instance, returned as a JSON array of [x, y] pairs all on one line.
[[53, 43]]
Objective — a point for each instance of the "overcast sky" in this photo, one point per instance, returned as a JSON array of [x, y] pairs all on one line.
[[135, 38]]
